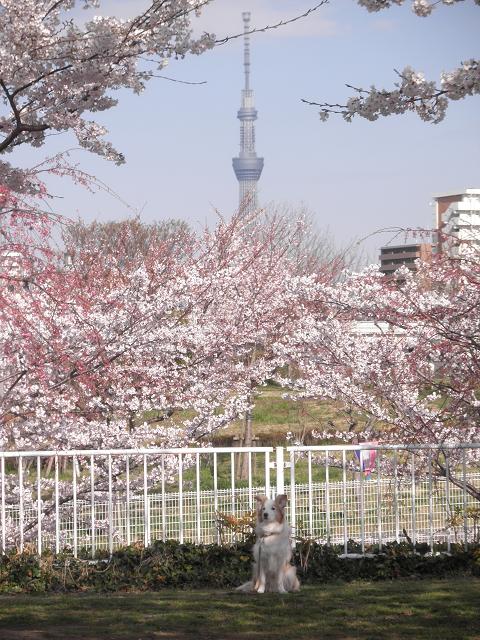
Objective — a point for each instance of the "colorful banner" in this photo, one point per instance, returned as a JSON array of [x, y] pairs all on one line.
[[366, 458]]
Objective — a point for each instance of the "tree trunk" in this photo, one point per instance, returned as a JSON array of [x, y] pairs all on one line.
[[246, 441]]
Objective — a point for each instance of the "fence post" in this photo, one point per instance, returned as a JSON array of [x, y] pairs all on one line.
[[280, 467], [293, 503]]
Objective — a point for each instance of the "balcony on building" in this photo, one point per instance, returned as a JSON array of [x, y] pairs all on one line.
[[394, 257]]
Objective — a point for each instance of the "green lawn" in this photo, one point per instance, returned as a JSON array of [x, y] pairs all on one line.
[[274, 416], [416, 609]]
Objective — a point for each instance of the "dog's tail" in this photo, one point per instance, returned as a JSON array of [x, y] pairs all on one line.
[[290, 580], [247, 587]]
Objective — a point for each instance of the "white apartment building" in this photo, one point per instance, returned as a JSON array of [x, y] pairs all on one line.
[[458, 221]]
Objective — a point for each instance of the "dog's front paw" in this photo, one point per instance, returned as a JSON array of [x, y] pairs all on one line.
[[261, 589]]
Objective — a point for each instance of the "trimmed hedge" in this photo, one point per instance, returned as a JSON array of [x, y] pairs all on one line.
[[187, 566]]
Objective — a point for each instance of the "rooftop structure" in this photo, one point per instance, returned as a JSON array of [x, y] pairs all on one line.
[[247, 166]]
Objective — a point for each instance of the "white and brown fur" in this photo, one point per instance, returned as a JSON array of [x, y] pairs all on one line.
[[272, 551]]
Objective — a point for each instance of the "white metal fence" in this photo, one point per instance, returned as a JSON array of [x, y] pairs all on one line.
[[104, 499]]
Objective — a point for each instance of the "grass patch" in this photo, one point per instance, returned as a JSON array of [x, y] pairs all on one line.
[[274, 416], [395, 610]]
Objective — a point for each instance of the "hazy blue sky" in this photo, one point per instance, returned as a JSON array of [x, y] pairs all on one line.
[[355, 178]]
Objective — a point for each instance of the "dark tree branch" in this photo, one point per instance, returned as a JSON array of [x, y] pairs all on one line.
[[20, 127], [282, 23]]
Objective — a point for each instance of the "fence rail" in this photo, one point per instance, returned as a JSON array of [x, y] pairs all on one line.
[[371, 493]]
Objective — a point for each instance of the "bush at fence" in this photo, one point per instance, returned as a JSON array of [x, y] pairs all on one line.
[[324, 563], [174, 565]]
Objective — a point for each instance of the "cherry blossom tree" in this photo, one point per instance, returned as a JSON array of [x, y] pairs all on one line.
[[415, 375], [103, 338], [89, 348], [56, 69], [313, 255], [413, 92], [132, 238]]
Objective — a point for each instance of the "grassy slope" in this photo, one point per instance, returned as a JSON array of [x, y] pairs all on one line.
[[395, 610], [274, 416]]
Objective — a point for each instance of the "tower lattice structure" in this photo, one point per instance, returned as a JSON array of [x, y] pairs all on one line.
[[247, 166]]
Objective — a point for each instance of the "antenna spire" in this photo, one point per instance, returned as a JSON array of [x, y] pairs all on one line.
[[246, 48]]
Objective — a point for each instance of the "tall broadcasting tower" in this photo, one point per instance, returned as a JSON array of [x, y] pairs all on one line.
[[247, 166]]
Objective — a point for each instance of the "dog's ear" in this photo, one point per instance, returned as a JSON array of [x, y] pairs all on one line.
[[281, 501], [260, 502]]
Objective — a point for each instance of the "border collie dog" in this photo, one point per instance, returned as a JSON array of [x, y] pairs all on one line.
[[272, 551]]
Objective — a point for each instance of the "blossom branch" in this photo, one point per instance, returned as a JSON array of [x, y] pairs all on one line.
[[414, 93]]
